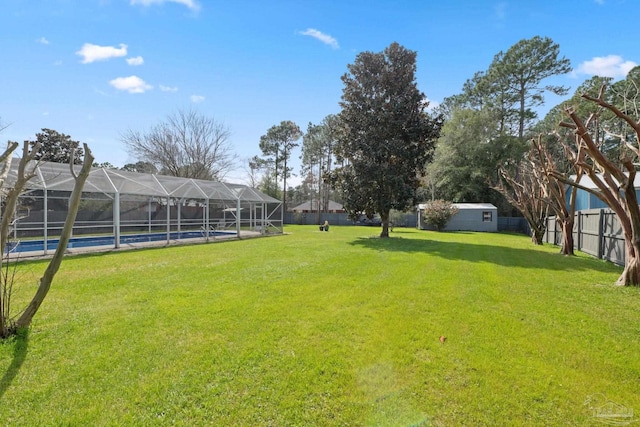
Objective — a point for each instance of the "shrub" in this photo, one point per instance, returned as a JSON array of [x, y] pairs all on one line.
[[438, 213]]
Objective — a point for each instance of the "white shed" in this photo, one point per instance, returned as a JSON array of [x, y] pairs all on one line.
[[470, 217]]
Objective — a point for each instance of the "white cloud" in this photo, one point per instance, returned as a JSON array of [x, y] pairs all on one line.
[[319, 35], [131, 84], [168, 88], [196, 98], [93, 52], [42, 40], [137, 60], [606, 66], [191, 4]]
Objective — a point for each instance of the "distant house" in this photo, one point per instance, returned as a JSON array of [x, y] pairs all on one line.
[[312, 207], [470, 217], [586, 200]]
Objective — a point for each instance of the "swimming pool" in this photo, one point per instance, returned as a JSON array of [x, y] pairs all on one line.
[[91, 241]]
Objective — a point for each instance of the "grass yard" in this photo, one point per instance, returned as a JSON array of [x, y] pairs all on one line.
[[327, 329]]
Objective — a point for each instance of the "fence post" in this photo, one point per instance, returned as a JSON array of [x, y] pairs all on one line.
[[579, 231], [600, 234], [547, 231]]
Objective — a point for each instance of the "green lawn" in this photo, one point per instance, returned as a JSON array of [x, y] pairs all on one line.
[[321, 329]]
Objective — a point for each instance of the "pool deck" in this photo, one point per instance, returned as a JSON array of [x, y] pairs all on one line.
[[32, 255]]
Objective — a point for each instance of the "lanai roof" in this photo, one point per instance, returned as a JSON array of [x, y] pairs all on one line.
[[57, 176]]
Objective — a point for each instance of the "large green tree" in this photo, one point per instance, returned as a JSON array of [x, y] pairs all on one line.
[[57, 147], [467, 157], [387, 137], [488, 121], [517, 76], [277, 145]]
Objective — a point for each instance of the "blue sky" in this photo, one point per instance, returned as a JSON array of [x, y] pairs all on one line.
[[95, 68]]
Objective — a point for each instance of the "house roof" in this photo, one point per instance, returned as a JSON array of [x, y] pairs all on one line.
[[586, 182], [308, 206]]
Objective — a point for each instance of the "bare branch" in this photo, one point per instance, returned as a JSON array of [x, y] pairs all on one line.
[[625, 117], [186, 144]]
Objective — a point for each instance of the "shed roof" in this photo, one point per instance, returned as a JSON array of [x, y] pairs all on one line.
[[467, 206]]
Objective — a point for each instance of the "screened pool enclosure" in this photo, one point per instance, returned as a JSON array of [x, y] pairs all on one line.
[[117, 205]]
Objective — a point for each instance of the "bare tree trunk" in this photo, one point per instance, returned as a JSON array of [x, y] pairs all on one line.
[[631, 273], [47, 278], [567, 236], [10, 202], [537, 236], [284, 188]]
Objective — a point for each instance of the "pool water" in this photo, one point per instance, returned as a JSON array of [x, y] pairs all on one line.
[[86, 242]]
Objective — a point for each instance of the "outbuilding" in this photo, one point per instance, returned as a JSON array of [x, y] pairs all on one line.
[[470, 217]]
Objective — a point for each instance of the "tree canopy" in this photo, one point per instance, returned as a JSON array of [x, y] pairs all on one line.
[[518, 74], [140, 167], [276, 145], [317, 157], [467, 156], [386, 135], [54, 146], [489, 122]]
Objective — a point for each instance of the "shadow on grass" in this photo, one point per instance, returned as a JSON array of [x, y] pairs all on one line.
[[475, 252], [20, 343]]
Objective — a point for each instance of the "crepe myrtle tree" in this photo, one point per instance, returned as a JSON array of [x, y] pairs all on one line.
[[614, 180], [522, 189], [11, 322], [559, 199]]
